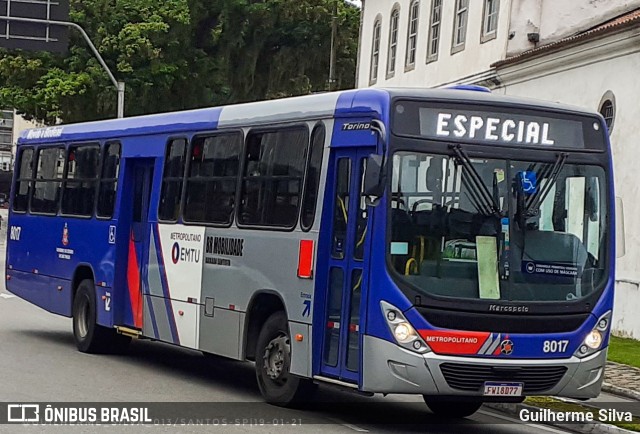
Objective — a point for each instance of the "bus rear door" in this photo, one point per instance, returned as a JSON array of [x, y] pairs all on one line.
[[346, 257]]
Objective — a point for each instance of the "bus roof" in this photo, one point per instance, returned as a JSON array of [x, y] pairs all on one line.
[[342, 103]]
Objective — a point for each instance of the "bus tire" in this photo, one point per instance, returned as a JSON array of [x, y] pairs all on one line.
[[451, 409], [273, 359], [89, 336]]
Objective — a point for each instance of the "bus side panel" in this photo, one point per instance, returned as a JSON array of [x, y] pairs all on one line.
[[50, 249]]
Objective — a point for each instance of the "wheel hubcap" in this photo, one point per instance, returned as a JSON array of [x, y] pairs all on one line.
[[275, 356], [83, 317]]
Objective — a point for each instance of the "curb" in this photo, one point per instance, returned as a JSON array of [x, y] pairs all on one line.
[[592, 427], [620, 391]]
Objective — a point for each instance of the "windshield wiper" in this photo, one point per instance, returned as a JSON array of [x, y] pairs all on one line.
[[485, 202], [551, 174]]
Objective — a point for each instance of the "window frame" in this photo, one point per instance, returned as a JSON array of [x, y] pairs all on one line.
[[375, 50], [392, 47], [243, 164], [19, 178], [317, 127], [97, 179], [170, 140], [414, 21], [461, 10], [181, 212], [39, 149], [103, 153], [486, 36], [437, 25]]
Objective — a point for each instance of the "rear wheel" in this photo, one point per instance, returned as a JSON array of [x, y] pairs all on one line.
[[89, 336], [451, 409], [273, 360]]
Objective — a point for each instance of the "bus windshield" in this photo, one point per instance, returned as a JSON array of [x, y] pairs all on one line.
[[497, 229]]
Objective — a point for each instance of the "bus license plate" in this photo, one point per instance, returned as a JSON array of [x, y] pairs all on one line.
[[502, 389]]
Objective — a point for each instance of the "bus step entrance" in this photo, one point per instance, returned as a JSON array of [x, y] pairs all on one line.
[[133, 333]]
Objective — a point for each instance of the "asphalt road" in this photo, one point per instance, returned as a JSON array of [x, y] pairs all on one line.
[[39, 363]]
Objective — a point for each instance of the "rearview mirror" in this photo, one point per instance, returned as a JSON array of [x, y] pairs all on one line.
[[373, 188]]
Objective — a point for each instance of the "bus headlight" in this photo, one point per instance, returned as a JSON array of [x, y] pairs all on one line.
[[594, 339], [402, 331]]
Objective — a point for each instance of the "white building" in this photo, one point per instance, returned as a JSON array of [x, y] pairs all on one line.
[[580, 52]]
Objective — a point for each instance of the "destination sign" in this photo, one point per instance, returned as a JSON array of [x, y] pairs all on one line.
[[526, 128]]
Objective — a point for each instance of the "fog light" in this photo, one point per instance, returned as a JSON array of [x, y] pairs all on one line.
[[593, 339], [402, 332], [417, 345], [602, 324], [391, 315]]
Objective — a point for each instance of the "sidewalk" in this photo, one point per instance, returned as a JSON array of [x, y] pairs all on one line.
[[622, 380]]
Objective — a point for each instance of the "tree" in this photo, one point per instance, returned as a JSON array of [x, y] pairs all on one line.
[[180, 54]]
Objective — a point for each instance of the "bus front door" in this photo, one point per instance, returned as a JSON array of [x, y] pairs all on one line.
[[347, 259], [139, 178]]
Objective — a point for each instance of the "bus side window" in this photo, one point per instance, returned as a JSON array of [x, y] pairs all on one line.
[[272, 179], [213, 177], [24, 181], [310, 199], [47, 186], [79, 186], [108, 180], [174, 164]]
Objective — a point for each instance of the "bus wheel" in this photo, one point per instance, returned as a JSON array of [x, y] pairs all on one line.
[[89, 336], [273, 359], [451, 409]]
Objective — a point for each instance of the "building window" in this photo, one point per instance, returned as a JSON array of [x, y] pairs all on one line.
[[490, 20], [607, 109], [434, 30], [375, 51], [412, 34], [460, 25], [393, 42]]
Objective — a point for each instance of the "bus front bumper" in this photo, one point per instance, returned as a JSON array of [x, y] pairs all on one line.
[[388, 368]]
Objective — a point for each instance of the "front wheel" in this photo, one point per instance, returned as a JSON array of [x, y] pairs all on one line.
[[273, 360], [451, 409]]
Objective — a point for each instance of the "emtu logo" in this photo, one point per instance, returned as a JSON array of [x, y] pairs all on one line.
[[175, 253], [23, 413]]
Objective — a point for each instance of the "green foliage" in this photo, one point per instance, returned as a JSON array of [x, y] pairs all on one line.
[[180, 54], [625, 351]]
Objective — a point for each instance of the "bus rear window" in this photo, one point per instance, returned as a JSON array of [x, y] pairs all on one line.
[[47, 185], [24, 180]]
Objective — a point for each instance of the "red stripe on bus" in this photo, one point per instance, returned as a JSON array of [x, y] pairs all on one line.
[[133, 280]]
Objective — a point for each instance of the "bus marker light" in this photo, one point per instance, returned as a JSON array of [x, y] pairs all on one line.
[[8, 277], [180, 312], [299, 337], [232, 307], [191, 300], [104, 297], [305, 259], [59, 288]]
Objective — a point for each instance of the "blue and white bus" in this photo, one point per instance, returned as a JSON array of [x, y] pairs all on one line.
[[449, 243]]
